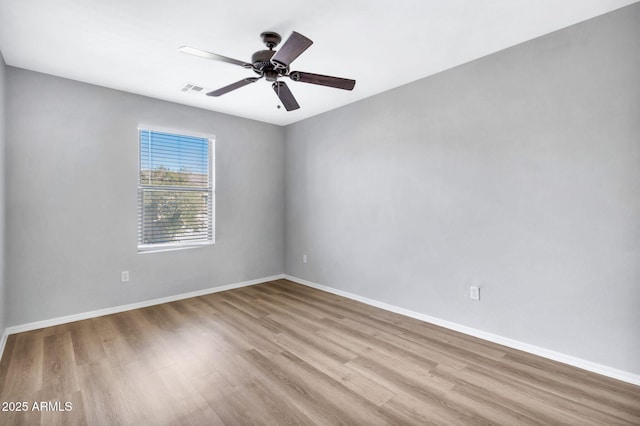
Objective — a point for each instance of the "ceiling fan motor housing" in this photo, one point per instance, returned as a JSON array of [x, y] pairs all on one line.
[[261, 61]]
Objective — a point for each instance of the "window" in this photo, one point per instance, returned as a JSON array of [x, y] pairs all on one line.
[[175, 191]]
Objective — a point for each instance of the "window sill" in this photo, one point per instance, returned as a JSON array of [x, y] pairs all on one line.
[[172, 247]]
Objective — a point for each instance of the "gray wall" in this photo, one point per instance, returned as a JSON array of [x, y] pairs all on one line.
[[519, 171], [72, 153], [3, 299]]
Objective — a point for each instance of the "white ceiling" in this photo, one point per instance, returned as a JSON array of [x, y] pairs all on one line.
[[132, 45]]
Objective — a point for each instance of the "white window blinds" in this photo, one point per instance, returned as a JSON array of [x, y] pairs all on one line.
[[175, 191]]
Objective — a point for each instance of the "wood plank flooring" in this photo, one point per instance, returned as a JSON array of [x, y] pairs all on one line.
[[280, 353]]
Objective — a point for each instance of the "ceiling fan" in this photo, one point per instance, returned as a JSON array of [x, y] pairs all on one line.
[[273, 65]]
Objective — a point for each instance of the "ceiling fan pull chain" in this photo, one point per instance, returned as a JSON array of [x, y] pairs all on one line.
[[278, 83]]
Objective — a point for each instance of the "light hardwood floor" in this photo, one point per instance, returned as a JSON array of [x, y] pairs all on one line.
[[281, 353]]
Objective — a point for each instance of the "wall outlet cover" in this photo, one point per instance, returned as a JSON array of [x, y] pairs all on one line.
[[474, 292]]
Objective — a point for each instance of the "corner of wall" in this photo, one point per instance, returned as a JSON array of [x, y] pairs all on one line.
[[3, 299]]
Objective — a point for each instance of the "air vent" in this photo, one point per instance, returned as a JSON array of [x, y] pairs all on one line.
[[192, 88]]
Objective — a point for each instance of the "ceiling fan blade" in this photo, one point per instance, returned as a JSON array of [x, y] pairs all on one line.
[[323, 80], [234, 86], [290, 50], [285, 95], [208, 55]]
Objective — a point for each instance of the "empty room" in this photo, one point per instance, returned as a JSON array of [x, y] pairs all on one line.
[[318, 213]]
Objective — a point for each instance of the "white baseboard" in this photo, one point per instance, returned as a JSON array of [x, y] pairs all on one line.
[[122, 308], [604, 370]]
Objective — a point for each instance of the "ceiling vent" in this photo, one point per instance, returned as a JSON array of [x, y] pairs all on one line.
[[192, 88]]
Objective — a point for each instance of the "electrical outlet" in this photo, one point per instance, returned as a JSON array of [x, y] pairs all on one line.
[[474, 292], [304, 258], [124, 276]]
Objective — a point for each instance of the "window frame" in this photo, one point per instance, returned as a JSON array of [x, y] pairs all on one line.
[[210, 190]]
